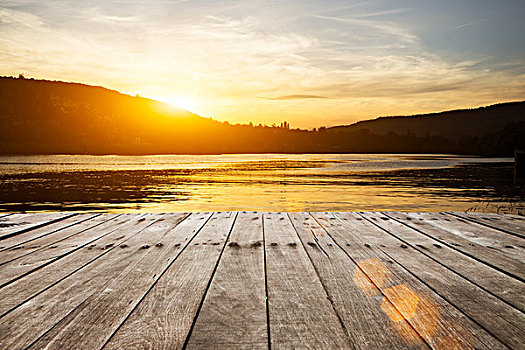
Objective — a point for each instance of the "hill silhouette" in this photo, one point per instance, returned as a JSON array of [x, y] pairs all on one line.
[[52, 117], [455, 124]]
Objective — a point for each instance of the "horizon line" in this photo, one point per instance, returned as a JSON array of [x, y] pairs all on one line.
[[365, 119]]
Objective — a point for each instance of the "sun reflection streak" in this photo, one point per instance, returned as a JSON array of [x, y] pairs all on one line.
[[399, 302], [425, 320], [371, 274], [410, 310], [456, 338]]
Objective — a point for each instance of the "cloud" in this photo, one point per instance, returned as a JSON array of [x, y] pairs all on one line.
[[117, 19], [25, 19], [473, 22], [296, 97], [382, 13], [225, 56], [150, 2], [388, 29]]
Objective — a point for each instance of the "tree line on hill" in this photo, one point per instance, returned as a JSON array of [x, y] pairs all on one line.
[[50, 117]]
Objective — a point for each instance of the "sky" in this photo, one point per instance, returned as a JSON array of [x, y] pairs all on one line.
[[309, 62]]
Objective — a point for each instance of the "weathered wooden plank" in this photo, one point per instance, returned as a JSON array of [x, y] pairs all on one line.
[[165, 316], [27, 287], [505, 217], [501, 285], [499, 318], [405, 296], [112, 303], [30, 236], [88, 291], [66, 228], [474, 247], [233, 315], [368, 326], [508, 245], [300, 313], [24, 325], [5, 214], [517, 217], [50, 252], [505, 223], [16, 224]]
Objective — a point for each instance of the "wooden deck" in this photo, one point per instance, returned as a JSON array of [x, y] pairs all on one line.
[[252, 280]]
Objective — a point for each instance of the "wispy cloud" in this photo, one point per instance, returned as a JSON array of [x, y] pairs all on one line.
[[389, 30], [468, 24], [113, 19], [26, 19], [150, 2], [308, 60], [296, 97], [381, 13]]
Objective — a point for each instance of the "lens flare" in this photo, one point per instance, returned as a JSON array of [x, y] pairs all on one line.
[[371, 275]]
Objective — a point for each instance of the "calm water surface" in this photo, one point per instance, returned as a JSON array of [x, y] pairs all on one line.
[[273, 182]]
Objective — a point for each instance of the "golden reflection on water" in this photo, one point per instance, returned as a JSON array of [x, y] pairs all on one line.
[[268, 182]]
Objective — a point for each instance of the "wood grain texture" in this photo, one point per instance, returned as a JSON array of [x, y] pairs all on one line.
[[406, 296], [368, 326], [164, 317], [473, 248], [509, 224], [50, 246], [233, 315], [26, 240], [111, 303], [301, 315], [501, 285], [49, 253], [22, 290], [507, 245], [28, 322], [16, 224], [500, 319], [201, 281]]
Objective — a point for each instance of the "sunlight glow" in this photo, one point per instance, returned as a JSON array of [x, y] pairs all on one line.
[[185, 102], [309, 63]]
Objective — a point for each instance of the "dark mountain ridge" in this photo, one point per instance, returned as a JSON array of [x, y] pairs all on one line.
[[52, 117], [454, 124]]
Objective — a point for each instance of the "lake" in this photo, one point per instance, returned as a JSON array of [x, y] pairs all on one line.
[[268, 182]]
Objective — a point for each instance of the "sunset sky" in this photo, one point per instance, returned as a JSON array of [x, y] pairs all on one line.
[[310, 62]]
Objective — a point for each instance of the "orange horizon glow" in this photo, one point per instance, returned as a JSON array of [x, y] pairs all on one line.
[[187, 103], [309, 64]]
